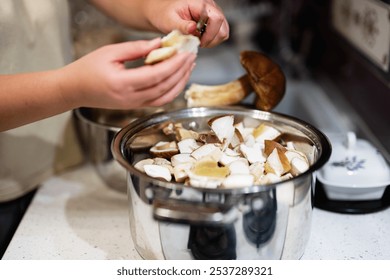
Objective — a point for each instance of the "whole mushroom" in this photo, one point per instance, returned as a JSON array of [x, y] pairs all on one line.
[[263, 76]]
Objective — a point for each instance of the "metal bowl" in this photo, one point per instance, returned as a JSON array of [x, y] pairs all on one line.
[[262, 221], [96, 129]]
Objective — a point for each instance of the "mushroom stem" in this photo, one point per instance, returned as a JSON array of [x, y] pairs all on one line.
[[218, 95]]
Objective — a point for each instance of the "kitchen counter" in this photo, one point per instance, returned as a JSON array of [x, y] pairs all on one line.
[[76, 216]]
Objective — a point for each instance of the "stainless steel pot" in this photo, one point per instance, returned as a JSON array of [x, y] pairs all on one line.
[[171, 221]]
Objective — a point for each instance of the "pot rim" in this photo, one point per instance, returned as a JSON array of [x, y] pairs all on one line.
[[123, 135]]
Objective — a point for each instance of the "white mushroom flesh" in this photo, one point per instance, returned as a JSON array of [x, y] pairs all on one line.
[[237, 159]]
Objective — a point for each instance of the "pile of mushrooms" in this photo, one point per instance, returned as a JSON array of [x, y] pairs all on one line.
[[229, 155], [264, 77]]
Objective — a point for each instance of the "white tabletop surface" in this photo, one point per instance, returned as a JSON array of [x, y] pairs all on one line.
[[75, 216]]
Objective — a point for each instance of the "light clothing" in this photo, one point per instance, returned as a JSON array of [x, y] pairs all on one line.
[[35, 36]]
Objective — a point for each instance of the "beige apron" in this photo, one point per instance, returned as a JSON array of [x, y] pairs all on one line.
[[35, 36]]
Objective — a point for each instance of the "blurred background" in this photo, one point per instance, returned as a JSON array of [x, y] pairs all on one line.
[[311, 40]]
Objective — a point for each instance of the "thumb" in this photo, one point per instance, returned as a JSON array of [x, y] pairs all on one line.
[[135, 49], [188, 27]]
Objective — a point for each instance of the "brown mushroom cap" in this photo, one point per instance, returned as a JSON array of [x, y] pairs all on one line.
[[266, 78]]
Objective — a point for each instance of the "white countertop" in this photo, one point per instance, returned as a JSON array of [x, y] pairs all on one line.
[[75, 216]]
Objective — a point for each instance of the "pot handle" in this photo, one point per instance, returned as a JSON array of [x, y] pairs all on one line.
[[194, 213]]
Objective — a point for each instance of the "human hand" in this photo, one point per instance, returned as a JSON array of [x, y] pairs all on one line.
[[100, 79], [184, 15]]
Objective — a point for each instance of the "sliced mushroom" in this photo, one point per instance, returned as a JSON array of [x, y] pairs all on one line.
[[237, 138], [163, 162], [265, 132], [223, 127], [257, 170], [277, 163], [158, 171], [209, 167], [207, 174], [228, 156], [181, 171], [207, 150], [208, 138], [187, 146], [270, 145], [140, 164], [182, 159], [240, 166], [164, 149], [238, 180], [253, 154], [182, 133], [298, 161]]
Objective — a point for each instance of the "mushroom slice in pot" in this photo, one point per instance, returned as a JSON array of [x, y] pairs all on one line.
[[240, 166], [270, 145], [158, 172], [187, 146], [238, 181], [182, 159], [277, 163], [253, 154], [180, 171], [298, 161], [140, 164], [206, 173], [265, 132], [164, 149], [237, 138], [228, 156], [208, 150], [182, 133], [223, 127]]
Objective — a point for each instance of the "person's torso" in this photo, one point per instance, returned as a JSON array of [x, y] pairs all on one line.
[[34, 36]]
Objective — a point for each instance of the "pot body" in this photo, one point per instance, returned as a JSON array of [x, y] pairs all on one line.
[[172, 221]]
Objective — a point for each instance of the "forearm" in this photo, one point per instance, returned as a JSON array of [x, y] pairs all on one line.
[[29, 97], [129, 13]]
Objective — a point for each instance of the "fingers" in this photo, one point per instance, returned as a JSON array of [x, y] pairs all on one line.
[[174, 92], [217, 29], [133, 50], [152, 75], [157, 84]]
